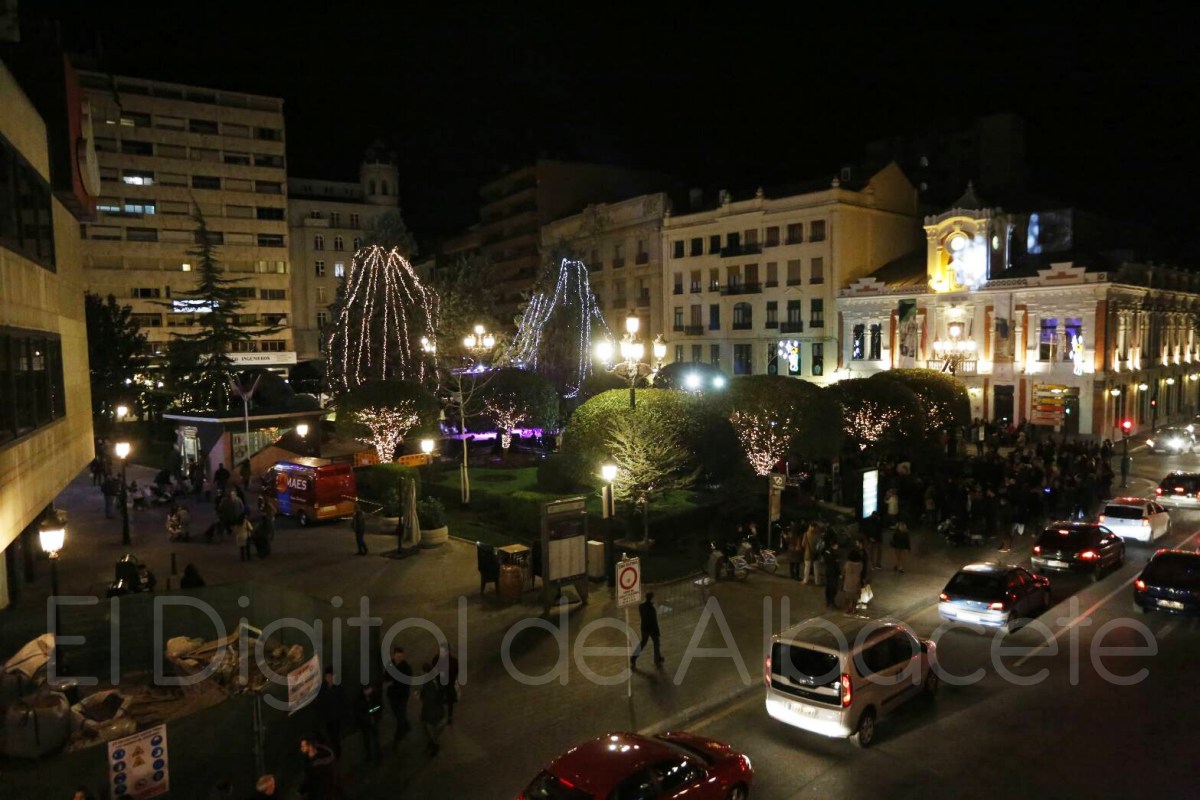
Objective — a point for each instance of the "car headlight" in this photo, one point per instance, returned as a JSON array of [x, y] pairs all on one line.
[[1176, 443], [1150, 443]]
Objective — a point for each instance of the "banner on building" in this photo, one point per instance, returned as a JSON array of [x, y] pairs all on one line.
[[909, 332]]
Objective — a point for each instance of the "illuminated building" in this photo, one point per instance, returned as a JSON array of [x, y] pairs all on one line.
[[1047, 325], [166, 152], [750, 285]]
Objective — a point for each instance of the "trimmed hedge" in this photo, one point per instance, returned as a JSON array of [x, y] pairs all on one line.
[[556, 473], [381, 483]]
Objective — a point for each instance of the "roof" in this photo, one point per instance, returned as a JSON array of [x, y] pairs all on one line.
[[596, 765], [832, 633], [994, 567], [907, 271], [1128, 500]]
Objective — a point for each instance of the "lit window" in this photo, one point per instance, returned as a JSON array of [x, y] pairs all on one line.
[[339, 269], [138, 178], [186, 267]]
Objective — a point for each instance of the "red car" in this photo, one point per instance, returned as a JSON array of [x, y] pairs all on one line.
[[628, 766]]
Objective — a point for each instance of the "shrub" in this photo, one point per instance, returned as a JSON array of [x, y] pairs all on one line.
[[382, 484], [556, 473], [431, 513]]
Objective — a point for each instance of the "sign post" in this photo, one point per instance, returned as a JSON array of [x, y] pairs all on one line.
[[564, 549], [629, 593], [137, 764]]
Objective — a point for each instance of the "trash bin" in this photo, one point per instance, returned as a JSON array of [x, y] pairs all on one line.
[[510, 584]]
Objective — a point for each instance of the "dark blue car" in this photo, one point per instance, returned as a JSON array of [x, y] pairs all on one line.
[[1170, 582]]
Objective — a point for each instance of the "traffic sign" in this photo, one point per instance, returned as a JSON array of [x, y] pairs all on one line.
[[137, 764], [629, 582]]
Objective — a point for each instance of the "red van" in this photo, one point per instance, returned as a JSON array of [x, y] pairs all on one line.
[[312, 489]]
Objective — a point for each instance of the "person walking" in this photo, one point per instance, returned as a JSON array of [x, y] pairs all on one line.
[[191, 578], [331, 709], [873, 532], [359, 523], [446, 664], [649, 623], [398, 690], [852, 578], [321, 780], [244, 531], [368, 710], [795, 547], [221, 477], [433, 709], [809, 547], [244, 472], [110, 488], [831, 560], [901, 544]]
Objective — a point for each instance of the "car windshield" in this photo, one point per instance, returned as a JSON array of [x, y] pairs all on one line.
[[1123, 512], [976, 585], [1180, 483], [1176, 570], [802, 664], [1065, 537], [551, 787]]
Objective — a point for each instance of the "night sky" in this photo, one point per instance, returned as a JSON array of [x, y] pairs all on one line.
[[724, 96]]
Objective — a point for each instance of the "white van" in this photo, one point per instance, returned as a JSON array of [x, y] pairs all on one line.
[[838, 676]]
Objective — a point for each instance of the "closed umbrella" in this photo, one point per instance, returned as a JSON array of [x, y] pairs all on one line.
[[412, 525]]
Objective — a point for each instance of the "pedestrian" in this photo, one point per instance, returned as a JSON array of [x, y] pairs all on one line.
[[331, 709], [852, 578], [399, 687], [230, 511], [873, 533], [433, 709], [831, 560], [809, 546], [191, 578], [892, 504], [206, 487], [321, 780], [795, 547], [110, 489], [97, 469], [900, 545], [359, 523], [145, 579], [183, 519], [368, 710], [81, 793], [244, 471], [264, 788], [447, 666], [221, 477], [244, 531], [649, 622]]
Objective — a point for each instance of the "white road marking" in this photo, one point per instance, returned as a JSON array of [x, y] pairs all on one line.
[[1166, 631], [1091, 610]]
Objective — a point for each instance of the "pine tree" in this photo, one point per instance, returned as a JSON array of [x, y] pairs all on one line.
[[199, 365]]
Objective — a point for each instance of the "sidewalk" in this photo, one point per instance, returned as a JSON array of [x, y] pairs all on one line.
[[506, 728]]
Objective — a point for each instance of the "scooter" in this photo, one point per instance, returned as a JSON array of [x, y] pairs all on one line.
[[758, 557], [729, 564]]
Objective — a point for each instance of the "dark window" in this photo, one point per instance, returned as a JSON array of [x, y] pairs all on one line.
[[802, 665], [25, 209], [816, 231], [697, 353], [794, 312], [676, 775], [268, 134], [714, 316], [818, 359], [678, 249], [773, 236], [264, 160], [772, 314], [795, 233], [743, 316], [270, 240], [269, 213], [697, 248], [31, 382], [274, 294], [714, 244], [141, 234], [202, 126], [733, 240], [241, 159], [206, 182], [816, 314], [130, 148], [875, 345], [743, 359], [1177, 570]]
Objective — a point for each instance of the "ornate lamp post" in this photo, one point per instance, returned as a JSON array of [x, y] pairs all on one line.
[[632, 350], [954, 349], [52, 534], [477, 344], [122, 450], [608, 510]]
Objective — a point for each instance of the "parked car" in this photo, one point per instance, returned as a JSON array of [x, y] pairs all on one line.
[[1135, 518], [1179, 489], [1172, 440], [1078, 547], [668, 765], [838, 677], [1170, 582], [996, 595]]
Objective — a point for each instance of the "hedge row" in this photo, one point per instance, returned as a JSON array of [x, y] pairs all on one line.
[[381, 483]]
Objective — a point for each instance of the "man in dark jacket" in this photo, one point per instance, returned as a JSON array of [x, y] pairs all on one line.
[[331, 709], [321, 780], [649, 619], [831, 559], [398, 690], [368, 710], [359, 523]]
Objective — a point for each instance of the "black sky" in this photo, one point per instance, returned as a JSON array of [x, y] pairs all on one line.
[[724, 95]]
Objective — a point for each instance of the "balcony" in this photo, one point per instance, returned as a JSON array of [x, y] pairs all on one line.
[[741, 250], [963, 367], [695, 288], [643, 299], [743, 326], [677, 290], [618, 263], [771, 324], [816, 323], [618, 302], [791, 327], [741, 288], [714, 286], [771, 243], [693, 330], [795, 282], [642, 258], [771, 284], [794, 240]]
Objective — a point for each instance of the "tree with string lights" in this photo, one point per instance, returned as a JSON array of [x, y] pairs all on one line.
[[385, 412], [384, 321], [514, 397]]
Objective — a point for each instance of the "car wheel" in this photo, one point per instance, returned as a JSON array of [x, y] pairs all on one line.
[[302, 518], [932, 683], [864, 735], [1096, 574], [738, 792], [1121, 559]]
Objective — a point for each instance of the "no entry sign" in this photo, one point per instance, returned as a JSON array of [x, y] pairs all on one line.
[[629, 582]]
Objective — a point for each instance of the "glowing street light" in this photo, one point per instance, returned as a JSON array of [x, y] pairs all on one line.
[[427, 446], [608, 510], [52, 534], [302, 430], [632, 350], [122, 450], [122, 412]]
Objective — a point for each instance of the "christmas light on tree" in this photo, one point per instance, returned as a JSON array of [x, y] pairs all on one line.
[[764, 439], [384, 324], [507, 414], [388, 425], [554, 336]]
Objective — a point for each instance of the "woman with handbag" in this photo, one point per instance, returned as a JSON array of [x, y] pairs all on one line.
[[852, 578]]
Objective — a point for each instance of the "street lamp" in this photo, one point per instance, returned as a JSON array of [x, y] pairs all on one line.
[[631, 351], [122, 412], [954, 349], [122, 450], [52, 533], [608, 472], [302, 430], [427, 449], [478, 344]]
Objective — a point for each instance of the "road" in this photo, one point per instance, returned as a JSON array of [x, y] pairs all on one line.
[[1073, 733]]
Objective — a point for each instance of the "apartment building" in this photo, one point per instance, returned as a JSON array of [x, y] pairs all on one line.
[[1039, 323], [750, 285], [326, 220], [515, 206], [166, 153], [45, 397], [621, 243]]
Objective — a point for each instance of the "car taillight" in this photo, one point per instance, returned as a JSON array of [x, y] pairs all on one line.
[[1140, 585], [1145, 522], [1088, 555], [944, 597], [1037, 549], [1100, 518], [767, 671], [1158, 491], [847, 694], [999, 606]]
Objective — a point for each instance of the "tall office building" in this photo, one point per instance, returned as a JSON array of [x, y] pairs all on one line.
[[327, 219], [167, 153], [45, 399]]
